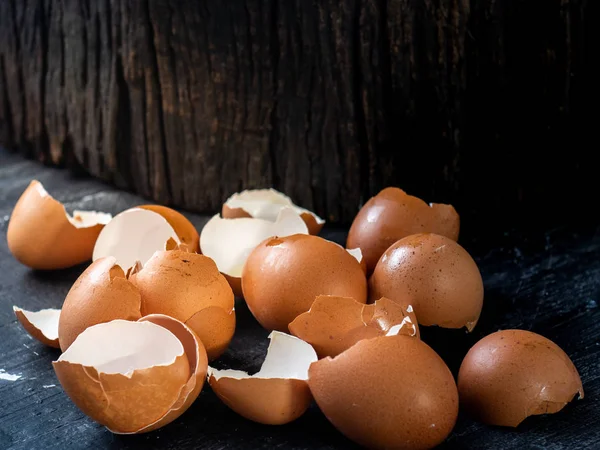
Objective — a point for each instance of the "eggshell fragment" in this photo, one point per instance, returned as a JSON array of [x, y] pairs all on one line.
[[41, 234], [100, 294], [435, 275], [283, 276], [267, 204], [357, 253], [187, 233], [393, 214], [334, 324], [41, 325], [278, 393], [229, 241], [512, 374], [189, 287], [387, 392]]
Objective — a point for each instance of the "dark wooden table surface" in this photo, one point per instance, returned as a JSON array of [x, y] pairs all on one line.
[[547, 281]]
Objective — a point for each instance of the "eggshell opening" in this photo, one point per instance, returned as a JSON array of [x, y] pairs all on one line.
[[85, 219], [41, 325], [188, 235]]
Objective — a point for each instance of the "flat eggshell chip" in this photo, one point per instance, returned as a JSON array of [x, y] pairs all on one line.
[[278, 393], [42, 325]]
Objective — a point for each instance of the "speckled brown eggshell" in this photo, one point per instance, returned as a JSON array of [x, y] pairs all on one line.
[[512, 374], [435, 275], [283, 276], [393, 214], [387, 392]]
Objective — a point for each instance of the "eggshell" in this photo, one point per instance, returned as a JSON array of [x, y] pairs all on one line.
[[278, 393], [334, 324], [283, 276], [100, 294], [266, 204], [387, 392], [510, 375], [41, 325], [41, 234], [187, 233], [435, 275], [393, 214], [183, 285]]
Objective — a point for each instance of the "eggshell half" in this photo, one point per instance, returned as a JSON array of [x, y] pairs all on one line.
[[334, 324], [278, 393], [41, 325], [393, 214], [283, 276], [100, 294], [187, 233], [512, 374], [387, 392], [435, 275], [41, 234]]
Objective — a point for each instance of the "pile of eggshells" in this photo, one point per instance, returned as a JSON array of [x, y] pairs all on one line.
[[141, 324]]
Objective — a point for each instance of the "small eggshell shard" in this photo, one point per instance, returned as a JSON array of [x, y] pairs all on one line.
[[435, 275], [187, 233], [387, 392], [357, 253], [41, 325], [229, 241], [41, 235], [134, 235], [124, 375], [334, 324], [283, 276], [393, 214], [267, 204], [278, 393], [100, 294], [510, 375]]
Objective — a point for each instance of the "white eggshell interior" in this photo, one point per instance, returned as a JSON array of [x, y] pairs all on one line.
[[357, 253], [85, 219], [45, 320]]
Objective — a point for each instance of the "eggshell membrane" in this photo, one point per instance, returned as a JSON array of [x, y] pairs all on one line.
[[334, 324], [387, 392], [510, 375], [283, 276], [41, 236], [41, 325], [182, 285], [435, 275], [392, 215], [187, 233], [100, 294]]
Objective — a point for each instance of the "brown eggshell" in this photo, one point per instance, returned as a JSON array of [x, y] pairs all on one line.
[[183, 227], [100, 294], [44, 331], [233, 213], [236, 285], [510, 375], [182, 285], [393, 214], [41, 236], [334, 324], [435, 275], [283, 276], [387, 392]]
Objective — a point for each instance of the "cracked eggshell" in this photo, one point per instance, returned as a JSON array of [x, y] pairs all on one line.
[[393, 214], [41, 325], [189, 287], [387, 392], [125, 375], [283, 276], [229, 241], [267, 204], [187, 233], [278, 393], [334, 324], [512, 374], [436, 276], [41, 235], [100, 294]]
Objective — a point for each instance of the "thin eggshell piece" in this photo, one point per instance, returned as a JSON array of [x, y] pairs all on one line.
[[42, 325], [187, 233]]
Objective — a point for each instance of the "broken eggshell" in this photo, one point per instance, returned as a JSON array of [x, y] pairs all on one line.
[[278, 393], [42, 235], [334, 324], [267, 204], [41, 325], [185, 230], [510, 375]]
